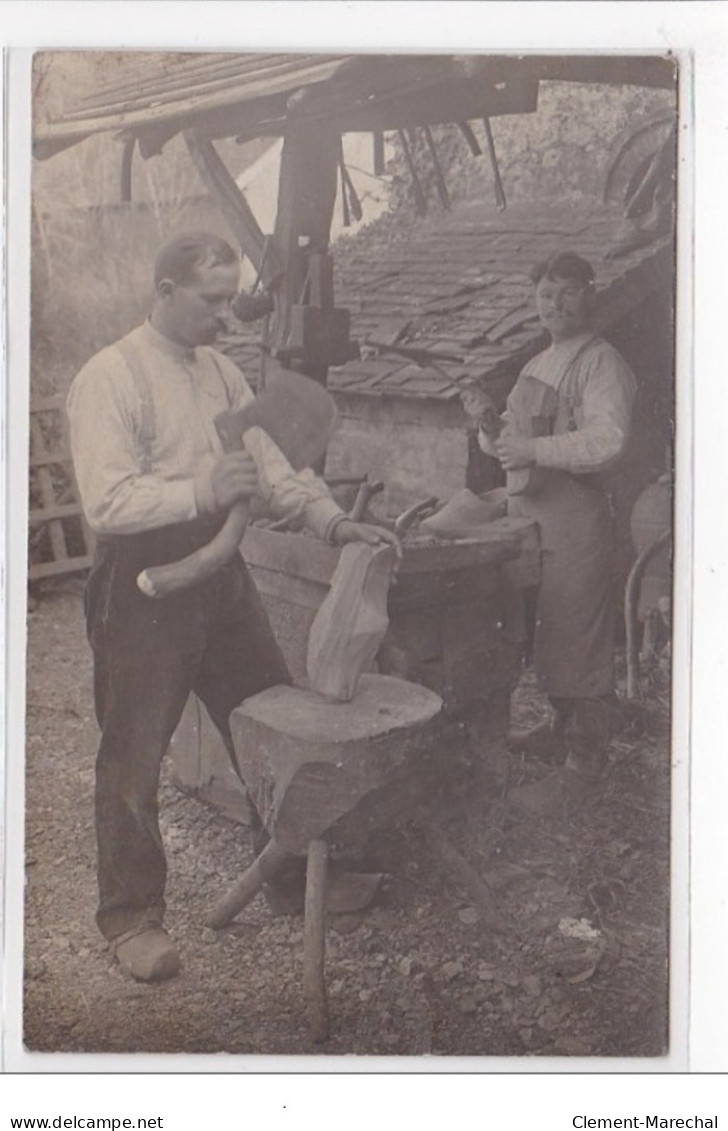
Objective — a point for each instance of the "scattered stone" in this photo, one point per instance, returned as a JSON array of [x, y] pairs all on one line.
[[365, 995], [573, 1046], [578, 929], [551, 1019], [486, 972], [208, 935], [508, 978], [35, 968], [469, 915], [346, 924], [405, 966], [451, 970]]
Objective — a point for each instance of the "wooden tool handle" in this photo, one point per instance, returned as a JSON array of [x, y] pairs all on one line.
[[160, 581]]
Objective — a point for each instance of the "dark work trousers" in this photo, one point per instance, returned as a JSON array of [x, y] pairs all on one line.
[[149, 654], [587, 727]]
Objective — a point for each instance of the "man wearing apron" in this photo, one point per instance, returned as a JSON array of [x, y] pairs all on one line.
[[567, 420]]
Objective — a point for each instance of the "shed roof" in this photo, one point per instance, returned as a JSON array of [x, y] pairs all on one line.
[[224, 95], [458, 283]]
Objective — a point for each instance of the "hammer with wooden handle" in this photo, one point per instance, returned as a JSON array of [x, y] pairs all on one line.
[[299, 416]]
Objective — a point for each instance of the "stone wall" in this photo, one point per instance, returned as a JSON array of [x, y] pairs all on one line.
[[417, 447]]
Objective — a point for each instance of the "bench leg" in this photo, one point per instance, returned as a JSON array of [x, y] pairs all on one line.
[[314, 985]]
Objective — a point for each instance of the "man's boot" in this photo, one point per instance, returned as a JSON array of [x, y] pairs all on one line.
[[586, 739], [546, 740]]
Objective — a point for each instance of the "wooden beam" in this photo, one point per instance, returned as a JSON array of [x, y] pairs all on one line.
[[50, 511], [40, 570], [222, 187], [306, 198]]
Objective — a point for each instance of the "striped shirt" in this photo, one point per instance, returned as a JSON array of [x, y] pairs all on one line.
[[126, 488]]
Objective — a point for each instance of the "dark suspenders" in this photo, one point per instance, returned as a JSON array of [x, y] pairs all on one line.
[[147, 422]]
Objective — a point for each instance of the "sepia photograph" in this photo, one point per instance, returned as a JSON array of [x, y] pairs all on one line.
[[350, 554]]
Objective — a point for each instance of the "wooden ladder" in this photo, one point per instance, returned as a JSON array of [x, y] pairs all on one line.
[[59, 505]]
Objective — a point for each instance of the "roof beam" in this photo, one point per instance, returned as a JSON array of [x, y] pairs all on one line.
[[223, 189]]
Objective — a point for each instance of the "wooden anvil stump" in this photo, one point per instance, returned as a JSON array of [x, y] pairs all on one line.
[[308, 762], [313, 766]]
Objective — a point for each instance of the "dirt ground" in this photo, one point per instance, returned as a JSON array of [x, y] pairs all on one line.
[[578, 969]]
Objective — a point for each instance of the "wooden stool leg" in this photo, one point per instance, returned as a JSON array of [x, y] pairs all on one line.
[[262, 869], [314, 985]]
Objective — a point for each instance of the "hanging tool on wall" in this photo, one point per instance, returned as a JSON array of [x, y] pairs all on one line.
[[349, 198], [500, 196], [476, 150], [439, 177], [470, 138], [420, 201], [319, 331], [127, 157]]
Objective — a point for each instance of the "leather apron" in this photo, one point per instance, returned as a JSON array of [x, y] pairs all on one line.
[[575, 613]]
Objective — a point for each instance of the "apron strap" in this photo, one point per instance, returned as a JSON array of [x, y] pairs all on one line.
[[579, 353]]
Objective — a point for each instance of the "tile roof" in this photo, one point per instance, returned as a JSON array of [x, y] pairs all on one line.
[[458, 284]]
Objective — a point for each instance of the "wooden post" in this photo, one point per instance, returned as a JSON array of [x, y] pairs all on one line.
[[314, 984], [306, 199]]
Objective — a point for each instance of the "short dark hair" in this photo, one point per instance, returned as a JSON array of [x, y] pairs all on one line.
[[180, 258], [563, 265]]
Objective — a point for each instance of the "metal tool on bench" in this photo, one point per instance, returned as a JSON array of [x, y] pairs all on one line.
[[414, 513], [299, 415]]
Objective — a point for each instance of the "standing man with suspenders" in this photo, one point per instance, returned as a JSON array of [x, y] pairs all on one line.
[[156, 486], [567, 420]]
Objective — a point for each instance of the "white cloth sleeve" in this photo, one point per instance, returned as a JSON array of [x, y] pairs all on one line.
[[602, 420], [116, 496]]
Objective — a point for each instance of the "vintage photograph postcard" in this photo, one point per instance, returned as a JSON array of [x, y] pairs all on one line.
[[350, 554]]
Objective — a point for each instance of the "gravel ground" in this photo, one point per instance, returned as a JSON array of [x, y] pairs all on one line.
[[580, 968]]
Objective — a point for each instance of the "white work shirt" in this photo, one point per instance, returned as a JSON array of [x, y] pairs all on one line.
[[596, 392], [124, 488]]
